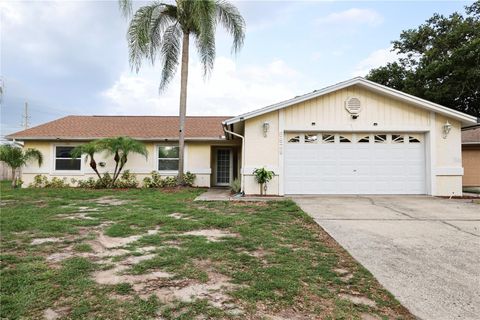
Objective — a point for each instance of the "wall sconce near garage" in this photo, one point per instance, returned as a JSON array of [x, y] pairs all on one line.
[[446, 129], [266, 127]]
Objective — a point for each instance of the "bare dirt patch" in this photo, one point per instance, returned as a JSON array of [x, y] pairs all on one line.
[[357, 299], [116, 275], [179, 216], [75, 216], [38, 241], [212, 235], [111, 201], [53, 314]]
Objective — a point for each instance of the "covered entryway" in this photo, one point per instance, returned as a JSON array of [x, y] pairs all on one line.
[[225, 166], [354, 163]]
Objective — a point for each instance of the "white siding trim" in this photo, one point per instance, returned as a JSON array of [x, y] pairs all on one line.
[[281, 151], [449, 171], [432, 154]]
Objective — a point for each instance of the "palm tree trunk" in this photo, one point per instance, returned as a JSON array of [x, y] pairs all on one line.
[[13, 178], [183, 104]]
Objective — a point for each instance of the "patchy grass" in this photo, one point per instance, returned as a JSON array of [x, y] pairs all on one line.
[[174, 258]]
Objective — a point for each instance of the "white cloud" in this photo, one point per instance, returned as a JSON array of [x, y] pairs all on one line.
[[376, 59], [353, 16], [229, 91]]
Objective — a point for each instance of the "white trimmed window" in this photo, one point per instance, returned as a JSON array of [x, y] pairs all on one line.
[[64, 161], [168, 158]]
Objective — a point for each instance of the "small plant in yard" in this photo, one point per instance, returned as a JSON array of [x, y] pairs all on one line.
[[189, 178], [263, 176], [16, 158], [236, 186]]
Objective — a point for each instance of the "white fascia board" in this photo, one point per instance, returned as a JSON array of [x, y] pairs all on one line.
[[464, 118]]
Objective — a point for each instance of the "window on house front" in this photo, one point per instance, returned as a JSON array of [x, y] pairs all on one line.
[[64, 161], [167, 158], [343, 139]]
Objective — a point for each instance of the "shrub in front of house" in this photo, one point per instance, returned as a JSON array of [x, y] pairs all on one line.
[[126, 180], [156, 180]]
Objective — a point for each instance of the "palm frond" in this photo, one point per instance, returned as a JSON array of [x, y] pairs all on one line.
[[138, 35], [170, 53], [33, 154], [231, 19], [125, 7], [204, 22], [162, 17]]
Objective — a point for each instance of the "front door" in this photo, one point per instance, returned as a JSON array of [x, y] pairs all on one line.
[[223, 167]]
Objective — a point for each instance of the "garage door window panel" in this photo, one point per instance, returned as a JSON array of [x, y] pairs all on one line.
[[328, 138], [397, 138], [311, 138], [364, 139], [380, 138]]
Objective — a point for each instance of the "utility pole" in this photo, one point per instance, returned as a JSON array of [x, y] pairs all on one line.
[[25, 117]]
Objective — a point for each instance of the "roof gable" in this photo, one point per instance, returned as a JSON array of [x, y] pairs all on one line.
[[370, 85], [138, 127]]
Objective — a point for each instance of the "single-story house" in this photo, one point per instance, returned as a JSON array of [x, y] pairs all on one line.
[[471, 156], [355, 137]]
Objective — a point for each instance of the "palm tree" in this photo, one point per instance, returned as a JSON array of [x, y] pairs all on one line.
[[162, 30], [121, 147], [15, 157], [88, 149]]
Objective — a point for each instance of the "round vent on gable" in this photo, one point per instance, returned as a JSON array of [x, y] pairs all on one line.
[[353, 105]]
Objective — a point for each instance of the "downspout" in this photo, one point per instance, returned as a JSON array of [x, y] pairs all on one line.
[[242, 180]]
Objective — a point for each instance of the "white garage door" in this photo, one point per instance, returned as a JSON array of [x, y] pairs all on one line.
[[359, 163]]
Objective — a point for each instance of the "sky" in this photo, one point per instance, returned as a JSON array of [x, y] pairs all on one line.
[[71, 57]]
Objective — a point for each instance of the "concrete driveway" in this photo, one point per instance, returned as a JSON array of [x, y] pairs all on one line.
[[424, 250]]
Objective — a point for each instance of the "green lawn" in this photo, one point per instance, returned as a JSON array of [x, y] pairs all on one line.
[[149, 254]]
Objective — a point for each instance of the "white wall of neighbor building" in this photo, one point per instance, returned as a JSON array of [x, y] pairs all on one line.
[[379, 114]]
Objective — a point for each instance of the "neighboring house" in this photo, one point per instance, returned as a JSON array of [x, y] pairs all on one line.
[[355, 137], [471, 156]]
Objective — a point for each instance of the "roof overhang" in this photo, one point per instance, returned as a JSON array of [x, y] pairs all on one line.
[[464, 118], [159, 139]]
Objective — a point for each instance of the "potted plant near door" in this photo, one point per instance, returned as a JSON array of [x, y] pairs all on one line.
[[263, 176]]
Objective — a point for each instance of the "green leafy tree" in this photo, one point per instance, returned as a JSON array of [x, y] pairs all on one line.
[[89, 150], [121, 148], [163, 31], [440, 61], [263, 176], [16, 158]]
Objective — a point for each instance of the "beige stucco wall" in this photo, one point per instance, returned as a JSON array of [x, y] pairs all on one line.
[[261, 151], [379, 114], [448, 169], [197, 161]]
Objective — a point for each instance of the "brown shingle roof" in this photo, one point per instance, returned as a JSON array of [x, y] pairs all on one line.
[[471, 135], [139, 127]]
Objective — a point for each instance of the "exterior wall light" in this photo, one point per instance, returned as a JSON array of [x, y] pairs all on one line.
[[446, 129], [266, 127]]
